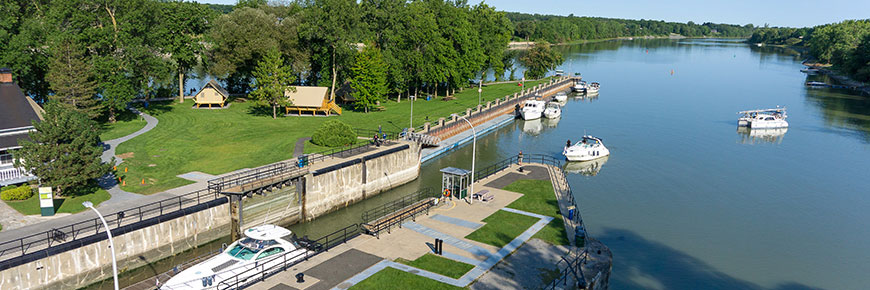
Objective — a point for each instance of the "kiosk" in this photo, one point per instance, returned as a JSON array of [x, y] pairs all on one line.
[[455, 182]]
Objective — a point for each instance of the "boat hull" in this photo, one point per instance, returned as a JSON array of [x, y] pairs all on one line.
[[584, 157], [531, 114], [552, 114], [768, 124]]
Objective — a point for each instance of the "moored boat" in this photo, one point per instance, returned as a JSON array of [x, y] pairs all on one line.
[[263, 246], [588, 148], [579, 87], [593, 88], [553, 110], [765, 118], [532, 109], [560, 97]]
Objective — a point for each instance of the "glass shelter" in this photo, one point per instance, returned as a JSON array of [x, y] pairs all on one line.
[[455, 182]]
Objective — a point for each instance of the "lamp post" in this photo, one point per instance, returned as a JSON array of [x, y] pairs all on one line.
[[473, 154], [412, 98], [90, 205], [479, 91]]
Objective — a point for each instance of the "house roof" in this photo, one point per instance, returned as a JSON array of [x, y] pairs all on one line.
[[11, 141], [16, 110], [307, 96], [214, 84]]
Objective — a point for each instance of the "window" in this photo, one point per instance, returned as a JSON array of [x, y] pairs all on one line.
[[270, 252], [6, 159]]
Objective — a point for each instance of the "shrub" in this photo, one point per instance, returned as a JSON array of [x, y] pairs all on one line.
[[334, 133], [20, 193]]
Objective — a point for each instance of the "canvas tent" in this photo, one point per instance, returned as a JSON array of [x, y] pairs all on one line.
[[312, 100], [211, 94]]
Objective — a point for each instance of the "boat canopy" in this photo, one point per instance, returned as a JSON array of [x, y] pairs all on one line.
[[267, 232], [769, 111]]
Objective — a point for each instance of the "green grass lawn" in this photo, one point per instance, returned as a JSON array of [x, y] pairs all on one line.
[[501, 228], [30, 206], [438, 264], [244, 136], [389, 278], [538, 197], [127, 123]]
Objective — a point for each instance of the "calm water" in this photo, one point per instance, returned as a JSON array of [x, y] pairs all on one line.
[[686, 201]]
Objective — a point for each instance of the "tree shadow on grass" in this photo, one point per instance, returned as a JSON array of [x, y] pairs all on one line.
[[263, 111], [643, 264], [155, 108]]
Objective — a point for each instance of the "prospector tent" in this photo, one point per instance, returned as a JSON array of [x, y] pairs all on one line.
[[311, 99]]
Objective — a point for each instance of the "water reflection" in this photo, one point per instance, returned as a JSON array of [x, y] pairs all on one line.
[[587, 168], [754, 136], [842, 109], [533, 127], [551, 123]]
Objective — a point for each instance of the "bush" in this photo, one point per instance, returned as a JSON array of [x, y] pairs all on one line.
[[334, 133], [20, 193]]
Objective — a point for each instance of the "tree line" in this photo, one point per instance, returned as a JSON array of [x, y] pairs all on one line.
[[845, 44], [559, 29]]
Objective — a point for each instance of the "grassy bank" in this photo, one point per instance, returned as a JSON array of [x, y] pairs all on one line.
[[245, 136], [438, 264], [30, 206], [389, 279], [538, 197], [127, 123]]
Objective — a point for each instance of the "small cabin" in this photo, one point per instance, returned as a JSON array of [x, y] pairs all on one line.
[[310, 100], [211, 94]]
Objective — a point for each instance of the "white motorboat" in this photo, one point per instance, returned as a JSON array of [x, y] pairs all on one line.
[[580, 87], [762, 121], [766, 118], [593, 88], [561, 97], [263, 247], [532, 109], [553, 110], [587, 168], [589, 148]]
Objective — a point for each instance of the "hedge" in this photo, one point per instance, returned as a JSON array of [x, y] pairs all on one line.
[[334, 133], [20, 193]]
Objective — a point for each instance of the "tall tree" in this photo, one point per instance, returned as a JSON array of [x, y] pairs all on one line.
[[181, 29], [65, 150], [71, 78], [540, 59], [272, 80], [243, 37], [369, 81], [331, 28]]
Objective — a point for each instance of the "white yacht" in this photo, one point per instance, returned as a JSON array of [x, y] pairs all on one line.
[[553, 110], [580, 87], [561, 97], [593, 88], [766, 118], [588, 148], [533, 109], [263, 246]]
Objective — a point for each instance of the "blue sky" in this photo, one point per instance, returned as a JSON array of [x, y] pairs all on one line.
[[795, 13]]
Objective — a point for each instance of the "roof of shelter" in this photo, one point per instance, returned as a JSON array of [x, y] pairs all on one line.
[[307, 96]]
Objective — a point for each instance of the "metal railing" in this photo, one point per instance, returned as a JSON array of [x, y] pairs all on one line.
[[398, 204], [573, 267], [76, 231], [289, 259], [398, 218]]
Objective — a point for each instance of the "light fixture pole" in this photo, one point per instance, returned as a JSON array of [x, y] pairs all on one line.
[[479, 91], [412, 98], [90, 205], [473, 155]]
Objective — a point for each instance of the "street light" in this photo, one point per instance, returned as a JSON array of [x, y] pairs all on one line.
[[473, 153], [412, 98], [90, 205]]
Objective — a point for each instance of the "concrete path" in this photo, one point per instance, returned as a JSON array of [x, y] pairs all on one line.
[[299, 149], [110, 182], [472, 275]]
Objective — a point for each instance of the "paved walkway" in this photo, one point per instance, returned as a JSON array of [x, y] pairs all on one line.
[[472, 275], [299, 149], [110, 182]]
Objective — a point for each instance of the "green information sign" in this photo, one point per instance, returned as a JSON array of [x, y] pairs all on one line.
[[46, 202]]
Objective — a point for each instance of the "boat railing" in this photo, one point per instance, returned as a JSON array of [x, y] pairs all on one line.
[[268, 268]]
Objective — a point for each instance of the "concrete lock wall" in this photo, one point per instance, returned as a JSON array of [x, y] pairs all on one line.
[[329, 191], [81, 267]]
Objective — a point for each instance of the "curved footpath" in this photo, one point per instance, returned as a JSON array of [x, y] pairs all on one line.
[[109, 181]]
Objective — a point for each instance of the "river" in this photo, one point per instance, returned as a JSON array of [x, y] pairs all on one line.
[[685, 201]]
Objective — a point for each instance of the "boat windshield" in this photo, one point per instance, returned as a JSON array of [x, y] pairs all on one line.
[[248, 247]]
